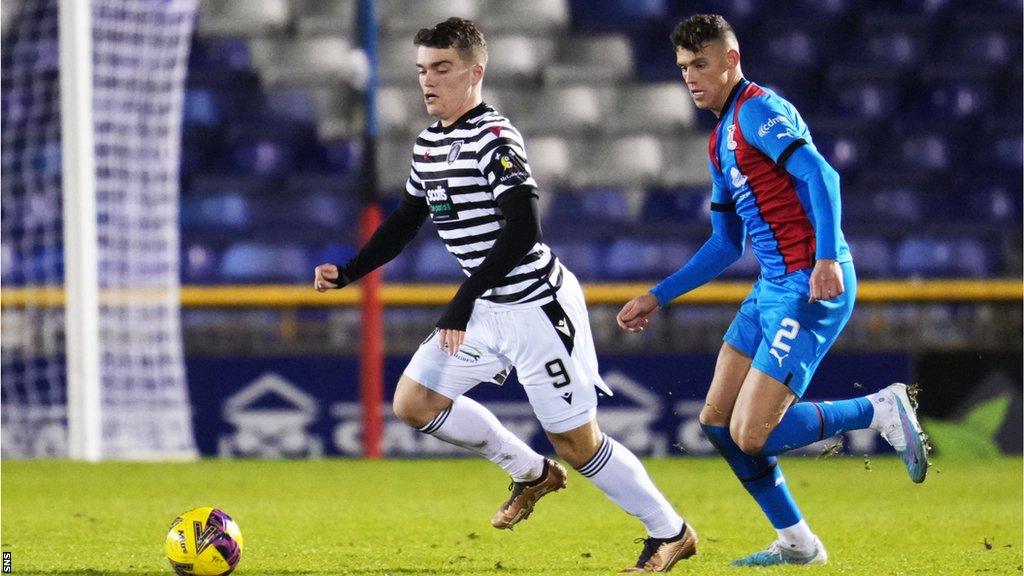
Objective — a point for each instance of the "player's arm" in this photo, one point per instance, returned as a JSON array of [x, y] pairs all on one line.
[[390, 238], [521, 232], [776, 129], [722, 248], [807, 165]]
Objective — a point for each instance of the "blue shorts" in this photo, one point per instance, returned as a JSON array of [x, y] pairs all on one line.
[[785, 335]]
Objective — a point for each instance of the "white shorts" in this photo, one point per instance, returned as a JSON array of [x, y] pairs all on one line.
[[550, 346]]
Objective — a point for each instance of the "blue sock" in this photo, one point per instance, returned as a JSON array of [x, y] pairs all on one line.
[[808, 422], [760, 475]]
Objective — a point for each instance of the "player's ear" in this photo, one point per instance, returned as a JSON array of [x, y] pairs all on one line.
[[732, 57], [478, 73]]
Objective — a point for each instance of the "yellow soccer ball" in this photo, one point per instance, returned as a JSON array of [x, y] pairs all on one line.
[[203, 542]]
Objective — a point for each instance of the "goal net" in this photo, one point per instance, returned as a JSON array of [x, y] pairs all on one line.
[[138, 60]]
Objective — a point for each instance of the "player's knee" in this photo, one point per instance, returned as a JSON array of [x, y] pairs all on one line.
[[748, 438], [713, 416], [411, 410], [575, 447]]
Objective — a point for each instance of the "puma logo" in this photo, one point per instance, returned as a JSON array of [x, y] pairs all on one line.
[[778, 357]]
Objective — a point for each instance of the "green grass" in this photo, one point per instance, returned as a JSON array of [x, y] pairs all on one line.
[[432, 517]]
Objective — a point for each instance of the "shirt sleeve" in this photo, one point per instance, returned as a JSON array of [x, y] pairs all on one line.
[[774, 127], [414, 185], [724, 247], [503, 160]]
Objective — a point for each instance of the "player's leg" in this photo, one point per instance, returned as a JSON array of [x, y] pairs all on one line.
[[801, 333], [557, 366], [761, 476], [615, 470], [429, 397]]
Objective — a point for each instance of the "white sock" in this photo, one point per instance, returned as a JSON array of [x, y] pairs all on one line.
[[471, 426], [882, 402], [798, 537], [621, 476]]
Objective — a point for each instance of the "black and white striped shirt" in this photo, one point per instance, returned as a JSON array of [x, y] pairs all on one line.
[[461, 170]]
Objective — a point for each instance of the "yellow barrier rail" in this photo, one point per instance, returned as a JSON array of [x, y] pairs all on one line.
[[284, 296]]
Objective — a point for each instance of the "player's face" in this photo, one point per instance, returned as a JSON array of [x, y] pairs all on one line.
[[447, 81], [708, 74]]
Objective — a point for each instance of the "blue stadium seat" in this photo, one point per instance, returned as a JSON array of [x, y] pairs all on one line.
[[401, 269], [606, 205], [942, 257], [872, 257], [332, 253], [435, 264], [565, 210], [995, 202], [584, 258], [679, 205], [630, 258], [226, 210], [264, 262]]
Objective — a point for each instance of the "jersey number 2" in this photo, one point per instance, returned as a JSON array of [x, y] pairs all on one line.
[[788, 331]]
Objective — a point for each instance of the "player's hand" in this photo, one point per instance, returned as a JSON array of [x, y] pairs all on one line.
[[325, 277], [451, 340], [826, 281], [635, 315]]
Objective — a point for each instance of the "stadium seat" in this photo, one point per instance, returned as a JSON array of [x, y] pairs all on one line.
[[227, 210], [525, 16], [549, 161], [563, 212], [247, 18], [321, 61], [941, 257], [611, 204], [616, 15], [603, 60], [564, 110], [219, 54], [677, 205], [201, 107], [408, 17], [630, 258], [871, 256], [394, 162], [265, 262], [396, 60], [662, 108], [435, 264], [685, 161], [634, 160], [320, 17], [401, 111], [517, 60], [583, 257]]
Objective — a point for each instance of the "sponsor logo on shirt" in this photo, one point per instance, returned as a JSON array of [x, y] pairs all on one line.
[[767, 126], [730, 141]]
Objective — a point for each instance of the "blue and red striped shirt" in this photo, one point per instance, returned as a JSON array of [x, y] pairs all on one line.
[[756, 134]]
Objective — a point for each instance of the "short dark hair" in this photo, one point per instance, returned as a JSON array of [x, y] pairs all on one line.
[[458, 33], [699, 29]]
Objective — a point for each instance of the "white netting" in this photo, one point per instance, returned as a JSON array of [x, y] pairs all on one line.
[[140, 49]]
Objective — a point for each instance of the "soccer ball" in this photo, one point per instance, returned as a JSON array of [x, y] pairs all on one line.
[[203, 542]]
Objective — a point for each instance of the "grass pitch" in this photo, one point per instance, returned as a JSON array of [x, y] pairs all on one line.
[[432, 517]]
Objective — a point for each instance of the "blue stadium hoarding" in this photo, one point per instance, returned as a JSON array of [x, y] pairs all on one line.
[[308, 407]]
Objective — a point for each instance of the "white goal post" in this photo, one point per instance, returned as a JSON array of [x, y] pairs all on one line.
[[93, 361]]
